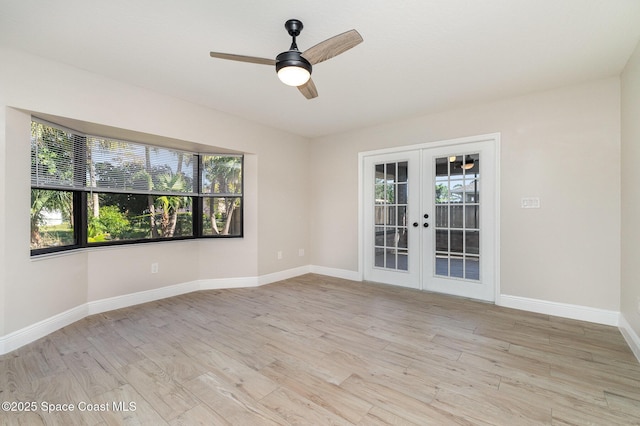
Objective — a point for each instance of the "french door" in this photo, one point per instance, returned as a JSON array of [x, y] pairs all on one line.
[[429, 218]]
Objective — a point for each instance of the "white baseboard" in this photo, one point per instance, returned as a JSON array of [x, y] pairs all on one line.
[[629, 334], [283, 275], [243, 282], [33, 332], [336, 273], [132, 299], [221, 283], [565, 310]]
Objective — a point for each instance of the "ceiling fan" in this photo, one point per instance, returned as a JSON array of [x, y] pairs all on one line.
[[294, 67]]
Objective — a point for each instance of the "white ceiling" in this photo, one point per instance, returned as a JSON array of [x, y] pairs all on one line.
[[418, 56]]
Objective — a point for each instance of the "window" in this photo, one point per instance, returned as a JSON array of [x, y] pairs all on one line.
[[138, 192], [90, 191], [221, 189]]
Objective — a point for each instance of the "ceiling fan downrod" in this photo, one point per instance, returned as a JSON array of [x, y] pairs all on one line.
[[293, 27]]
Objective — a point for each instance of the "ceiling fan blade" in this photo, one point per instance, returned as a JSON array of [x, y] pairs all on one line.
[[309, 90], [332, 47], [243, 58]]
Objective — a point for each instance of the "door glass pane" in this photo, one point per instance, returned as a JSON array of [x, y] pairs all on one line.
[[472, 242], [457, 222], [456, 190], [442, 264], [442, 240], [391, 215], [403, 260], [472, 190], [472, 268], [457, 245], [403, 168], [390, 193], [457, 217], [403, 239], [379, 176], [391, 173], [402, 193], [402, 215], [379, 257], [442, 180], [457, 266], [442, 216], [472, 217], [442, 190], [390, 259]]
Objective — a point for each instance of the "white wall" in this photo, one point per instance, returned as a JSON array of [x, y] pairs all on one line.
[[562, 146], [630, 265], [276, 177]]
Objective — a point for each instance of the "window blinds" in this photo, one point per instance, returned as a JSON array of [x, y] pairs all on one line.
[[55, 157], [121, 166], [62, 159]]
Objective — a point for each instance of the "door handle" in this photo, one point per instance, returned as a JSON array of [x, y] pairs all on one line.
[[415, 224], [426, 215], [426, 225]]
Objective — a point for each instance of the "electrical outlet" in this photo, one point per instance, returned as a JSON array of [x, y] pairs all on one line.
[[638, 305], [154, 268], [301, 252], [279, 255]]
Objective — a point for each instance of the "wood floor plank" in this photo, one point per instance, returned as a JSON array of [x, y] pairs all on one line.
[[93, 372], [127, 407], [164, 394], [174, 363], [323, 350], [585, 414], [232, 404], [115, 349], [297, 410], [486, 407], [325, 394], [440, 373], [551, 391], [243, 377], [202, 415], [400, 404], [380, 417]]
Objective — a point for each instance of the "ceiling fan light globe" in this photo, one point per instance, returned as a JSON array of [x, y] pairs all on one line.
[[292, 68], [294, 76]]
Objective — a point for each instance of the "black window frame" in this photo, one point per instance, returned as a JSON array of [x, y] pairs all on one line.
[[81, 191]]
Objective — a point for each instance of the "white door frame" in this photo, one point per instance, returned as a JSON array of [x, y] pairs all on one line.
[[456, 144]]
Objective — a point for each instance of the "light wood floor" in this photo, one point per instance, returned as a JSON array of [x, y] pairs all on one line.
[[316, 350]]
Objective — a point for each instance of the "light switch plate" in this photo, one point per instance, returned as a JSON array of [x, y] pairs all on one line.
[[530, 203]]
